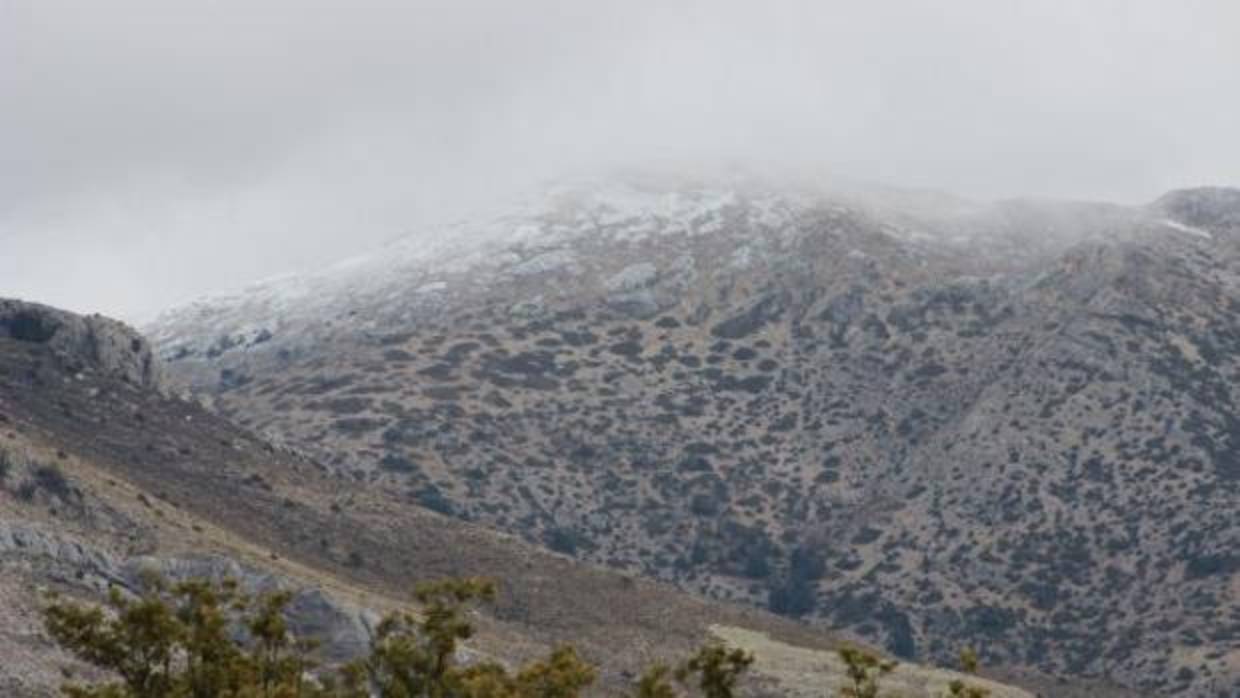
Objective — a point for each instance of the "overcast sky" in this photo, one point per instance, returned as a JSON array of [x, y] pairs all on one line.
[[155, 150]]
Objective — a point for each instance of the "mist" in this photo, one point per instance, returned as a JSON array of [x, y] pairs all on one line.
[[153, 151]]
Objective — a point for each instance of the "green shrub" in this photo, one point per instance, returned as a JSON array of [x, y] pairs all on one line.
[[181, 640]]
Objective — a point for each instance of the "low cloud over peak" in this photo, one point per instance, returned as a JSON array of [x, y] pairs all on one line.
[[153, 151]]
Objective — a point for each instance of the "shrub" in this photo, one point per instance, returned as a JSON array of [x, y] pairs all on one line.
[[864, 670], [181, 640], [50, 479]]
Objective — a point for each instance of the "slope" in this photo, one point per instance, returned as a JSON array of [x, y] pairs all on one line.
[[931, 422], [105, 475]]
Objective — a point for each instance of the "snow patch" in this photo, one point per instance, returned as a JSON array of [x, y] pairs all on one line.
[[432, 287], [1176, 225], [632, 278]]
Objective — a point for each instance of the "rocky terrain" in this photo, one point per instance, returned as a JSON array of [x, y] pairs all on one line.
[[104, 475], [928, 421], [97, 343]]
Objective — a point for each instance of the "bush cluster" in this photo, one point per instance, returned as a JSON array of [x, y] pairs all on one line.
[[207, 639], [204, 639]]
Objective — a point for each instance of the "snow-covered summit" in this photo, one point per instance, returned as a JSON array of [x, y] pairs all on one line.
[[593, 236], [535, 236]]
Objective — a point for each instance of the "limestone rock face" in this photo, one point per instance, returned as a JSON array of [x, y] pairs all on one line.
[[90, 342], [344, 629]]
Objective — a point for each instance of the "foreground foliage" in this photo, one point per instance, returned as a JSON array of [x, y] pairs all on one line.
[[194, 639], [204, 639]]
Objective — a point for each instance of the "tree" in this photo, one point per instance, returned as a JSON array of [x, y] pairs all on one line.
[[717, 668], [413, 655], [136, 640], [864, 670], [714, 670], [562, 675], [206, 639], [181, 641], [655, 683], [958, 688]]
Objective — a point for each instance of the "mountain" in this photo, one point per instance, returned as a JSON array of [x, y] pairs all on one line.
[[105, 474], [928, 421]]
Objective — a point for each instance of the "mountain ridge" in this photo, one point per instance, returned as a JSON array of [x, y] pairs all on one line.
[[987, 425]]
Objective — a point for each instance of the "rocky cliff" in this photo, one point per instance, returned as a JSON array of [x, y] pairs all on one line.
[[88, 343]]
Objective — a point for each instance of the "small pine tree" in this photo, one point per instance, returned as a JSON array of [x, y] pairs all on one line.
[[969, 663], [178, 640], [864, 671], [561, 675], [413, 655], [656, 683], [958, 688], [717, 669]]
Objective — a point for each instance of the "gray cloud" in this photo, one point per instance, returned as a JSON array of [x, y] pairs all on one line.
[[153, 150]]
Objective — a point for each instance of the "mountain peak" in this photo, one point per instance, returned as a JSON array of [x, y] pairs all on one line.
[[845, 405]]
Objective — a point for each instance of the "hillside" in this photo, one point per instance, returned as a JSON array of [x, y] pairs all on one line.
[[104, 474], [928, 421]]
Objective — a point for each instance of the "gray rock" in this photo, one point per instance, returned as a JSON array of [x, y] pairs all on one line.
[[71, 560], [32, 540], [638, 304], [90, 341], [343, 629]]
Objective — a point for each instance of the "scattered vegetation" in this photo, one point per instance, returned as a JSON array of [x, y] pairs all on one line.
[[192, 639], [50, 479], [203, 639], [31, 476], [207, 639]]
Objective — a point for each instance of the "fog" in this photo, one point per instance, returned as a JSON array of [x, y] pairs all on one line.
[[152, 151]]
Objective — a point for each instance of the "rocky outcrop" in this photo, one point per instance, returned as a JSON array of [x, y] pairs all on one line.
[[90, 342], [81, 562], [343, 629]]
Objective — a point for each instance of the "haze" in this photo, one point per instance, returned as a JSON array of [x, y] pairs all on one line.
[[154, 151]]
